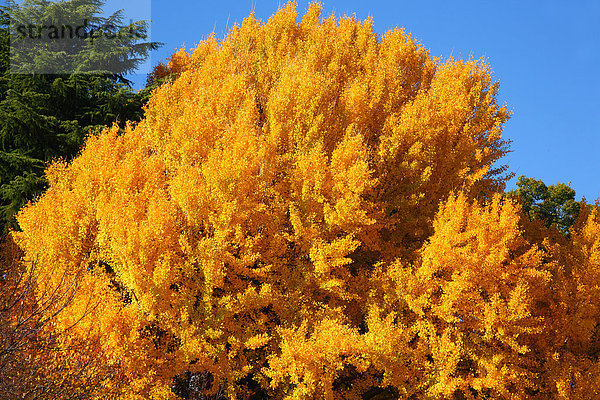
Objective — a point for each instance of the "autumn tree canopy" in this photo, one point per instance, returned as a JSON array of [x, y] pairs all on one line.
[[311, 210]]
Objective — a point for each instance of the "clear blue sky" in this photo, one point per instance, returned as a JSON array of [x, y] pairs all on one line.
[[546, 55]]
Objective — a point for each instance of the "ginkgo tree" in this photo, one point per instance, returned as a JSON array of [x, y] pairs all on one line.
[[311, 210]]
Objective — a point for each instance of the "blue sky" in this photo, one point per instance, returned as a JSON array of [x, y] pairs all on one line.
[[545, 54]]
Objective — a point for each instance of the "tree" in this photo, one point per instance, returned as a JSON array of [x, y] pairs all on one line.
[[230, 220], [47, 115], [37, 361], [554, 205], [309, 210]]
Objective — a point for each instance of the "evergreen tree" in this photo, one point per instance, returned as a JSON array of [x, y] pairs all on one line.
[[44, 116]]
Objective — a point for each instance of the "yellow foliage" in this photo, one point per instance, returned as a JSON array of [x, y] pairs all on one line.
[[308, 211]]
